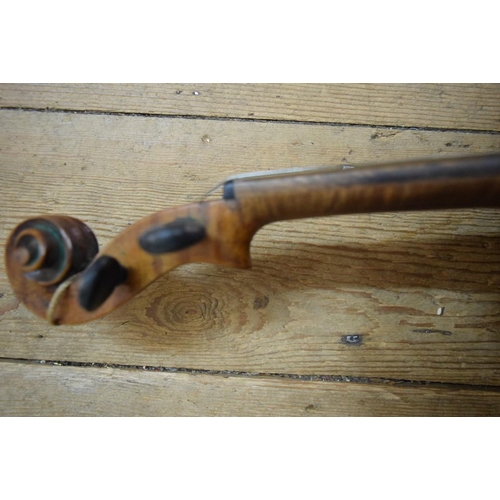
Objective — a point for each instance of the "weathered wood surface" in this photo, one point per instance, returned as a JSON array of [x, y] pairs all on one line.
[[459, 106], [376, 280], [42, 390]]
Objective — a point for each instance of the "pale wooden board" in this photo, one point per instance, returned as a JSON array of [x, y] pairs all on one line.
[[461, 106], [41, 390], [313, 282]]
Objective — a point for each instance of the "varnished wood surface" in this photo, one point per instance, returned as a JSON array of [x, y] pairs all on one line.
[[377, 280], [433, 184], [42, 390], [457, 106]]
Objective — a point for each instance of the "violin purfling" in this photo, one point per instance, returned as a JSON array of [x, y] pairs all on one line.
[[56, 269]]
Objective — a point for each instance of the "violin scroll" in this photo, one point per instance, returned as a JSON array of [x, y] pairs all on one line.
[[43, 252]]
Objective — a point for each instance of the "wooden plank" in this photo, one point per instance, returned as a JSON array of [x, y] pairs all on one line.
[[38, 390], [380, 278], [458, 106]]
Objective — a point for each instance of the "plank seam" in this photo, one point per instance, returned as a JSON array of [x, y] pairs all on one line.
[[242, 374], [249, 120]]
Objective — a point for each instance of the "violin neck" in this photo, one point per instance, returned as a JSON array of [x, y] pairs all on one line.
[[447, 183]]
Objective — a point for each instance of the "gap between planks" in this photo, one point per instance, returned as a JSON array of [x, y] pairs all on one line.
[[457, 106], [247, 120], [48, 390], [240, 374]]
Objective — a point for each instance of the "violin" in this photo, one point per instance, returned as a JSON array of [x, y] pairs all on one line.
[[56, 269]]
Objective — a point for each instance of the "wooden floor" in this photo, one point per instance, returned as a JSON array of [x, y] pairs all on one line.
[[273, 340]]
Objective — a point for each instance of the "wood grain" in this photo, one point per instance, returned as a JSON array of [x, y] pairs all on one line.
[[458, 106], [38, 390], [349, 295]]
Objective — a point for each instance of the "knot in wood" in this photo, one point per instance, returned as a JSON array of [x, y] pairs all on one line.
[[188, 311]]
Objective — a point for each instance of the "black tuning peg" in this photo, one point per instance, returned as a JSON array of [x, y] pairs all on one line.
[[174, 236], [99, 280]]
